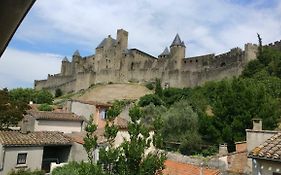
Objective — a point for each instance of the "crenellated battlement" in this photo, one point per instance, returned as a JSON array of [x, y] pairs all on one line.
[[114, 62]]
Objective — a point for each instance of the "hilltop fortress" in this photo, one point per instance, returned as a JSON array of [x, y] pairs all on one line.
[[113, 62]]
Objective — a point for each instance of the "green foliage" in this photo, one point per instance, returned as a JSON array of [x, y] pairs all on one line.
[[11, 112], [116, 109], [26, 95], [75, 168], [45, 107], [181, 126], [26, 172], [150, 98], [58, 92], [43, 96], [90, 141], [151, 112], [158, 88], [129, 157], [149, 85]]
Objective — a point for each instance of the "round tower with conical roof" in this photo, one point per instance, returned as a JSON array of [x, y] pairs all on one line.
[[75, 61], [65, 67], [177, 50]]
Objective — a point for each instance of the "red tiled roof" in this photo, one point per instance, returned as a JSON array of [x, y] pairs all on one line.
[[48, 115], [79, 136], [93, 103], [177, 168], [121, 123], [270, 149], [16, 138]]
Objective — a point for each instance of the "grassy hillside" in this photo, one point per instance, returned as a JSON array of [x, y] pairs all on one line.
[[111, 92]]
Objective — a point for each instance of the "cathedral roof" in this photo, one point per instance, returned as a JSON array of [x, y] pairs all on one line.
[[105, 40], [165, 52], [177, 41], [76, 53], [65, 59]]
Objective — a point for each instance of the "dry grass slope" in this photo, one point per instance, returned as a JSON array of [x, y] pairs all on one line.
[[111, 92]]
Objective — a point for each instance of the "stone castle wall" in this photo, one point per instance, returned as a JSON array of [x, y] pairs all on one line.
[[115, 63]]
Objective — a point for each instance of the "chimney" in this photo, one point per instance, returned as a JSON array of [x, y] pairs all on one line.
[[223, 149], [24, 126], [257, 124]]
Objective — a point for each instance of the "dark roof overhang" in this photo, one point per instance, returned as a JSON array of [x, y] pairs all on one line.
[[12, 12]]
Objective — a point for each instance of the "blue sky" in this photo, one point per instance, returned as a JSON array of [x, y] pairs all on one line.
[[54, 29]]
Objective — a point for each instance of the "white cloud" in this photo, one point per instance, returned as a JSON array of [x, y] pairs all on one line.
[[21, 68], [214, 25], [209, 26]]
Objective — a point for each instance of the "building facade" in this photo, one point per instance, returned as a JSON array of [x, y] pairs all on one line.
[[113, 62]]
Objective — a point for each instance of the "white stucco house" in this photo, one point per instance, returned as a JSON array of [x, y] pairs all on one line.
[[32, 150], [65, 122]]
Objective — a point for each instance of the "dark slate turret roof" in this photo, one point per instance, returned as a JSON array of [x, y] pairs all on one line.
[[65, 59], [105, 40], [177, 41], [165, 52], [76, 53]]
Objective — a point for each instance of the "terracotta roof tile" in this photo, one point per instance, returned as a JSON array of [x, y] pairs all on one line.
[[47, 115], [121, 123], [270, 149], [93, 103], [177, 168], [79, 136], [16, 138]]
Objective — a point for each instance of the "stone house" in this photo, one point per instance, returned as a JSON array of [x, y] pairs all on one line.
[[88, 108], [264, 150], [52, 121], [33, 150]]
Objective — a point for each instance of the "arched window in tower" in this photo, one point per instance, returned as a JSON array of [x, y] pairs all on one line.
[[132, 66]]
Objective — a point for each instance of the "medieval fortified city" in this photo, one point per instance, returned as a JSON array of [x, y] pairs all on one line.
[[114, 62], [121, 110]]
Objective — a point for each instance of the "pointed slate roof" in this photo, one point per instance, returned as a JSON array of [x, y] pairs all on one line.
[[177, 41], [65, 59], [105, 40], [165, 52], [76, 53]]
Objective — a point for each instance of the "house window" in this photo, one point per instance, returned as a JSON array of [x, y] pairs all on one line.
[[21, 158]]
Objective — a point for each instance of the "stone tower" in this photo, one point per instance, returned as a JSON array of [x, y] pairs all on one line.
[[65, 67], [177, 51], [122, 39], [75, 61]]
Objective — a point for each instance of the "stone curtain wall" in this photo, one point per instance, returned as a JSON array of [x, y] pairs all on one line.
[[115, 64]]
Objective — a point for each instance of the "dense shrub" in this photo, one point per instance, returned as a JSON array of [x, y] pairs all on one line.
[[149, 86], [76, 168], [45, 107], [150, 98], [26, 172]]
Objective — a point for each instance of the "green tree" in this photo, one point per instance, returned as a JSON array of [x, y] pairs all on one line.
[[11, 112], [43, 96], [158, 88], [129, 157], [26, 95], [181, 125], [150, 98]]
